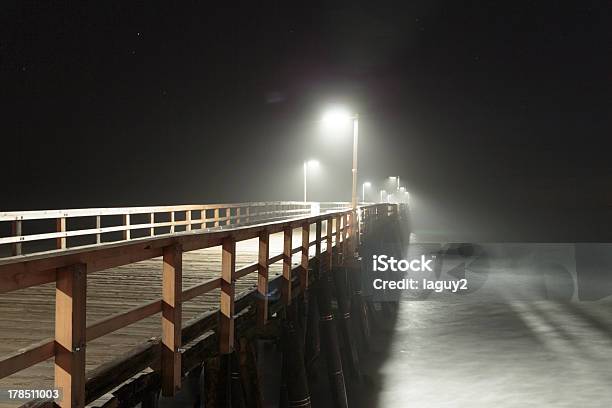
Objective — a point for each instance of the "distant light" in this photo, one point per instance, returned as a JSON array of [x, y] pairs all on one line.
[[402, 189], [312, 163], [336, 117], [367, 184], [392, 178]]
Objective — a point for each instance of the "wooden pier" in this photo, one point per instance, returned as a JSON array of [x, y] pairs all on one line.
[[81, 303]]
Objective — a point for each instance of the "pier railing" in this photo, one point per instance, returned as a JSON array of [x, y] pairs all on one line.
[[68, 268], [46, 230]]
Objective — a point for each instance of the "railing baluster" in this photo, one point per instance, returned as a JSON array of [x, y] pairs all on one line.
[[188, 219], [152, 222], [305, 249], [216, 217], [286, 282], [70, 320], [16, 232], [226, 308], [98, 226], [126, 232], [172, 221], [262, 278], [61, 227], [171, 319]]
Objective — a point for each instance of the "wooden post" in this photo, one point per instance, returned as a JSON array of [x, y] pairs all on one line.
[[216, 217], [188, 219], [70, 323], [152, 222], [126, 222], [304, 265], [318, 233], [298, 394], [61, 227], [172, 222], [329, 341], [262, 278], [248, 214], [286, 282], [238, 215], [171, 319], [329, 255], [98, 226], [16, 232], [228, 215], [226, 320]]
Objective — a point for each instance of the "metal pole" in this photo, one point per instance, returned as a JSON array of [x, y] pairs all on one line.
[[355, 147], [398, 183], [305, 171], [363, 192]]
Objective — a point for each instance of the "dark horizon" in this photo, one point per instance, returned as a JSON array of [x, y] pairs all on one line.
[[495, 116]]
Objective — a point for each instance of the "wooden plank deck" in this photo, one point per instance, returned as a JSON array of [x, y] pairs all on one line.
[[27, 316]]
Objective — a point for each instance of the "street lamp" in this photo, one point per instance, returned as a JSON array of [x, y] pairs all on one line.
[[308, 164], [339, 117], [363, 187], [394, 178]]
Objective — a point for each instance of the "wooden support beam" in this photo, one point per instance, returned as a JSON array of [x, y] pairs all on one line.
[[61, 227], [228, 214], [188, 219], [305, 249], [171, 319], [226, 309], [70, 332], [286, 282], [152, 222], [238, 215], [262, 278], [16, 232], [216, 217], [172, 222]]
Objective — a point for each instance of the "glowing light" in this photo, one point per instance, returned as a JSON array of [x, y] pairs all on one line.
[[336, 117], [313, 164]]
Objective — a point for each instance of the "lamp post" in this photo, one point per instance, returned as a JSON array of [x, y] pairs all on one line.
[[394, 178], [307, 164], [363, 187], [337, 117]]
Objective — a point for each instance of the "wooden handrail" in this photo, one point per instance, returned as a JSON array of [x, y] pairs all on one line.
[[35, 269]]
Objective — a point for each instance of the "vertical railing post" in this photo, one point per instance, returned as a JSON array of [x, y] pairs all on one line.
[[228, 216], [70, 323], [126, 231], [171, 319], [238, 215], [318, 239], [329, 246], [262, 278], [248, 214], [188, 219], [305, 249], [61, 227], [98, 226], [216, 217], [286, 282], [226, 322], [17, 232], [152, 222]]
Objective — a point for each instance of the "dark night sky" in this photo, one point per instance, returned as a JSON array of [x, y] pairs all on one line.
[[495, 114]]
